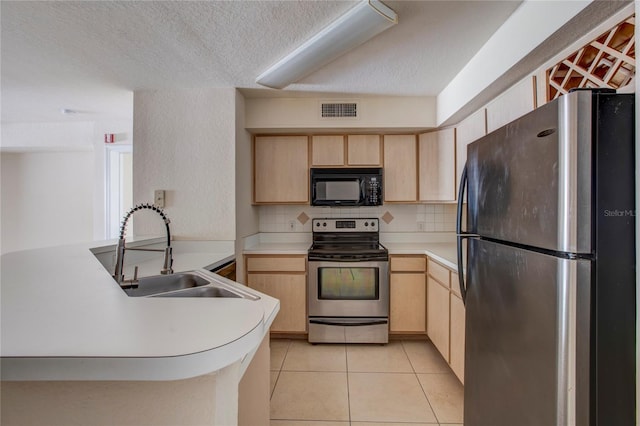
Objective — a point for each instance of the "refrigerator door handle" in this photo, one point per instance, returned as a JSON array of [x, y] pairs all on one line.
[[462, 235], [463, 287], [461, 190]]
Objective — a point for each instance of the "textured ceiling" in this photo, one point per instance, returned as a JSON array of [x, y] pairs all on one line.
[[89, 56]]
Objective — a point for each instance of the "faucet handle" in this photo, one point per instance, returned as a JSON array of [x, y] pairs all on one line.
[[133, 282], [168, 261]]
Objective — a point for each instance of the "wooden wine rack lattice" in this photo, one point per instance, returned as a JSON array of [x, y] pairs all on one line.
[[608, 61]]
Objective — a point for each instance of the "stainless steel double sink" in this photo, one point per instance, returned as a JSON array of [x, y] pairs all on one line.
[[187, 284]]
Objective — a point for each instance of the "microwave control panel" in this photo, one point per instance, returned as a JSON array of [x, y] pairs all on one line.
[[372, 191]]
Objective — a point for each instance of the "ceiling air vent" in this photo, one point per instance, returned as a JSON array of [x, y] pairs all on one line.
[[339, 110]]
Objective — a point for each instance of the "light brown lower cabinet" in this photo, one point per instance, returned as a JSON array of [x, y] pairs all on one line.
[[285, 278], [446, 315], [456, 356], [408, 295], [438, 316], [408, 303]]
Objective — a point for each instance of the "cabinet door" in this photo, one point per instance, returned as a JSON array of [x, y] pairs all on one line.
[[457, 337], [511, 104], [327, 150], [438, 316], [364, 150], [472, 128], [400, 168], [437, 154], [407, 303], [281, 169], [291, 290]]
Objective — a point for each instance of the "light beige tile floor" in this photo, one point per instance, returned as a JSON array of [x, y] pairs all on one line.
[[402, 383]]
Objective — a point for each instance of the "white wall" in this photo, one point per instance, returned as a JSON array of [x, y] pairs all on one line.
[[247, 215], [291, 114], [185, 144], [67, 139], [47, 198]]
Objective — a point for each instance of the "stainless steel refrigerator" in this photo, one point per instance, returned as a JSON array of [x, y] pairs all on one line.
[[549, 283]]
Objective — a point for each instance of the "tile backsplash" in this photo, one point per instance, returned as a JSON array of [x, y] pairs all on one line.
[[393, 217]]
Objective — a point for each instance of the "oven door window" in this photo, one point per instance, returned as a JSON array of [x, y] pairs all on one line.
[[350, 283]]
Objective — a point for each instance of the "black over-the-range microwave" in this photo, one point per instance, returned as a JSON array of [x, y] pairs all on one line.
[[346, 187]]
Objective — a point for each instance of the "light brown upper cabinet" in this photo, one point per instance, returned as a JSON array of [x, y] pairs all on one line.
[[342, 151], [281, 169], [327, 151], [364, 150], [511, 104], [469, 130], [437, 162], [400, 168]]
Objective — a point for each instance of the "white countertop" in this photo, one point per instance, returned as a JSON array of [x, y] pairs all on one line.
[[63, 317], [439, 246], [445, 253], [278, 243]]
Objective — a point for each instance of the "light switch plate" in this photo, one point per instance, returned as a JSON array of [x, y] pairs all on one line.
[[158, 197]]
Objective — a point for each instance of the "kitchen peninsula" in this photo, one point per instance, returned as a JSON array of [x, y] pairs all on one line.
[[77, 350]]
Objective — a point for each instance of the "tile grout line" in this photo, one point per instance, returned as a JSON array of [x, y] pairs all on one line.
[[420, 383], [346, 358], [278, 376]]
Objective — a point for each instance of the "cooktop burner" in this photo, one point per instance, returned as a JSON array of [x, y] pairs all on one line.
[[347, 239]]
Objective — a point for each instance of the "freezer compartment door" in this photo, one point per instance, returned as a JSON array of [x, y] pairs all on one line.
[[530, 181], [527, 338]]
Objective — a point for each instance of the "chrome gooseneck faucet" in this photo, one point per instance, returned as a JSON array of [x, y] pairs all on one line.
[[118, 274]]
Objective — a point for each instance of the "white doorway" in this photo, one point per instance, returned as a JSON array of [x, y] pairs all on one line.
[[118, 186]]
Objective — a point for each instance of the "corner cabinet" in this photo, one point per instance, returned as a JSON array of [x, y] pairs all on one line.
[[285, 278], [281, 170], [437, 156], [469, 130]]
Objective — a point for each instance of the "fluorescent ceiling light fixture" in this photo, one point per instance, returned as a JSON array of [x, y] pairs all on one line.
[[363, 22]]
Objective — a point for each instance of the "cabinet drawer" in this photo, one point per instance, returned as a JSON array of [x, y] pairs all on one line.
[[438, 272], [408, 264], [274, 263]]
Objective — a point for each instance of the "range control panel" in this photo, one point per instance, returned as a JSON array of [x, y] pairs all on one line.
[[345, 225]]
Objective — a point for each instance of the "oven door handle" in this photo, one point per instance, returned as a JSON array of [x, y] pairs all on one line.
[[347, 258], [348, 323]]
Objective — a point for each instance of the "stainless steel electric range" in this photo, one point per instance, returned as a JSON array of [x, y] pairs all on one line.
[[348, 282]]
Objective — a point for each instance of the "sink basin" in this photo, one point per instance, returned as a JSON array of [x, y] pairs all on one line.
[[188, 284], [201, 292], [148, 286]]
